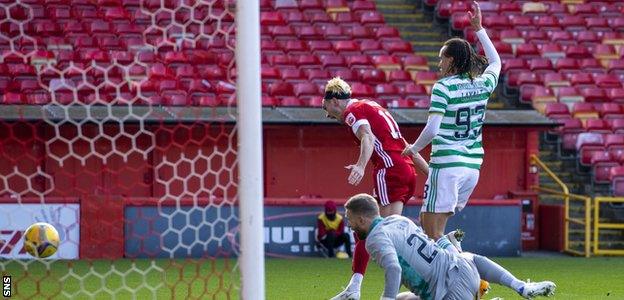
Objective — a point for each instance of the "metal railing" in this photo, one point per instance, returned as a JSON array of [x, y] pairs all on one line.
[[599, 225], [566, 196]]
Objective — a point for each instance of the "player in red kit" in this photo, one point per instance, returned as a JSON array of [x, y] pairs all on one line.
[[380, 140]]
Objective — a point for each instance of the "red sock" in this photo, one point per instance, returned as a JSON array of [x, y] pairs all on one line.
[[360, 256]]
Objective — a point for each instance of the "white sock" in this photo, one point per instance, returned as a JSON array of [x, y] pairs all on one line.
[[356, 282], [516, 284]]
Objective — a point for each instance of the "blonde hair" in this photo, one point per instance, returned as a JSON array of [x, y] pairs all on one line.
[[338, 86]]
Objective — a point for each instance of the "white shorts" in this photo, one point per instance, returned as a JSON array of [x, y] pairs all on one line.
[[448, 189]]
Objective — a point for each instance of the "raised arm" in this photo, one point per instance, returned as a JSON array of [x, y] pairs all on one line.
[[494, 61]]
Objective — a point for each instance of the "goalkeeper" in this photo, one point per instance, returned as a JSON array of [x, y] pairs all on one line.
[[431, 270]]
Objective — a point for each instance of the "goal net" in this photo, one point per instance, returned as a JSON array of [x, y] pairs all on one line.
[[118, 125]]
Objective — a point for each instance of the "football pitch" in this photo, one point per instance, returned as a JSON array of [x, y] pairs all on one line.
[[305, 278]]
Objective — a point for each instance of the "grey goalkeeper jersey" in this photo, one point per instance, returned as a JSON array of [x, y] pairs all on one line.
[[424, 265]]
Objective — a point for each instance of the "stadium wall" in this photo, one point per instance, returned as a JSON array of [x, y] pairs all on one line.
[[289, 229], [302, 161]]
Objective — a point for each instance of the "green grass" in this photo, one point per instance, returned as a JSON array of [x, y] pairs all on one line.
[[576, 278]]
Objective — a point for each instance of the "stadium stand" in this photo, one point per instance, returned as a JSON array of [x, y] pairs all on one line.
[[300, 41]]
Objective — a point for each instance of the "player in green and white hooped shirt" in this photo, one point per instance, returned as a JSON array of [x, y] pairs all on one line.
[[456, 115]]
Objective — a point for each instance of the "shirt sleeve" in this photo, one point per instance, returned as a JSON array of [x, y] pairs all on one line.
[[439, 99], [493, 69], [355, 118], [382, 251]]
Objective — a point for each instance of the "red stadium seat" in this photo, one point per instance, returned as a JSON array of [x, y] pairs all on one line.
[[583, 10], [514, 64], [318, 76], [399, 77], [570, 131], [512, 36], [292, 75], [540, 65], [593, 94], [362, 5], [520, 22], [398, 48], [597, 24], [602, 162], [616, 175], [333, 32], [359, 32], [616, 67], [572, 23], [346, 47], [587, 144], [372, 47], [615, 95], [460, 21], [607, 81], [290, 101], [496, 22], [617, 125], [345, 18], [555, 80], [361, 90], [306, 89], [610, 111], [372, 18], [359, 61], [293, 18], [13, 98], [581, 80], [386, 62], [557, 111], [527, 51], [597, 126], [280, 89], [308, 33], [307, 62], [321, 47], [415, 63], [347, 74], [614, 141], [330, 61], [373, 76], [320, 19], [426, 78], [602, 51], [591, 65], [387, 33], [387, 91]]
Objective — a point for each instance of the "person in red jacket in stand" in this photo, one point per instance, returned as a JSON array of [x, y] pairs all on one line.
[[330, 230]]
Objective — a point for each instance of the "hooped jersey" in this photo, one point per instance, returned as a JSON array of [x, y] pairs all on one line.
[[463, 103]]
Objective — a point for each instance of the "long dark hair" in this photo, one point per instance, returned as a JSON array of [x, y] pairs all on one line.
[[465, 59]]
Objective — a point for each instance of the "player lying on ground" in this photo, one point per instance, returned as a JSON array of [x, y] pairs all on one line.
[[458, 103], [426, 268], [381, 142]]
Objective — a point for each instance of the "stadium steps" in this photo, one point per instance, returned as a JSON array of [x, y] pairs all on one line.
[[415, 27], [579, 183]]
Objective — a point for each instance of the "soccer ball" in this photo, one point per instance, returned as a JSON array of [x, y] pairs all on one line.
[[41, 240]]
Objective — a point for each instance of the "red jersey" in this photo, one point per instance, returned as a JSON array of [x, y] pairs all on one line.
[[388, 141]]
